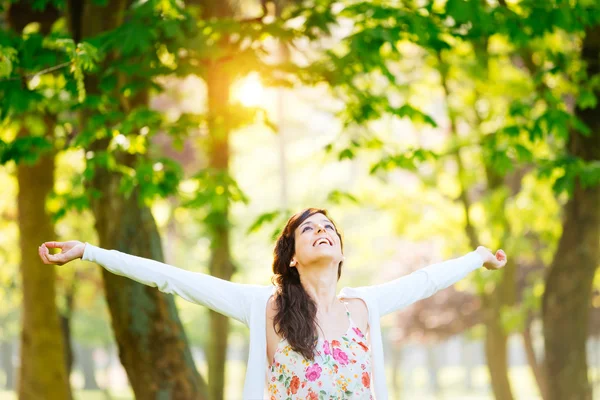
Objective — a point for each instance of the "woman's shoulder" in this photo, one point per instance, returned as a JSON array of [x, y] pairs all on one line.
[[359, 311], [355, 303], [357, 307]]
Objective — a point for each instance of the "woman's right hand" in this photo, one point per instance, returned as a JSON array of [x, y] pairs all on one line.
[[69, 251]]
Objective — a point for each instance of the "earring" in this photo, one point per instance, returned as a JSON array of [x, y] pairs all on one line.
[[292, 263]]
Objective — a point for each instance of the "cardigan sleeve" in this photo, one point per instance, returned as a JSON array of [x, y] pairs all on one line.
[[228, 298], [401, 292]]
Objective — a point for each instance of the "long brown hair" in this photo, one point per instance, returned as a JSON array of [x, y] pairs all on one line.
[[296, 316]]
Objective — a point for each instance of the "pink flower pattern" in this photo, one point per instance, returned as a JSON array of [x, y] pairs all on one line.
[[358, 332], [341, 369], [313, 372], [340, 356]]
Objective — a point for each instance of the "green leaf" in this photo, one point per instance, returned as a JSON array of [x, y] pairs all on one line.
[[580, 126], [346, 154], [263, 219], [8, 55], [337, 197], [413, 114], [460, 10], [25, 150], [501, 162], [587, 99], [512, 130], [523, 153], [590, 174]]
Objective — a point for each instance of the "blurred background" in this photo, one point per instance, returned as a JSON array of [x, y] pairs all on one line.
[[189, 131]]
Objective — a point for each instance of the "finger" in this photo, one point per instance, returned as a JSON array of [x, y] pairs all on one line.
[[43, 254], [55, 258], [51, 258], [54, 245]]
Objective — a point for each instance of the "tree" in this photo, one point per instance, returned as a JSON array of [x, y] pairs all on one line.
[[152, 344], [569, 281], [42, 345]]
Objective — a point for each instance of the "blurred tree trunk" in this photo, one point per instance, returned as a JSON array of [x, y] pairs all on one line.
[[567, 295], [467, 361], [536, 367], [6, 352], [65, 322], [284, 57], [85, 360], [504, 293], [396, 363], [496, 347], [432, 369], [218, 81], [221, 265], [43, 372], [152, 345]]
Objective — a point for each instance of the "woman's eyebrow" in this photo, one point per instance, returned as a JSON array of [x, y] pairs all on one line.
[[310, 222]]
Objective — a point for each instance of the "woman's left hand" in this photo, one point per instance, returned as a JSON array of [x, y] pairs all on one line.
[[491, 261]]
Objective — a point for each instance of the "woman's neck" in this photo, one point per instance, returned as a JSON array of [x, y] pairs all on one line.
[[322, 287]]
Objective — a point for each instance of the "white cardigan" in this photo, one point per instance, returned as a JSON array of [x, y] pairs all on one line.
[[247, 303]]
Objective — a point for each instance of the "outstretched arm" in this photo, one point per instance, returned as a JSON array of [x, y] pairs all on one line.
[[403, 291], [228, 298]]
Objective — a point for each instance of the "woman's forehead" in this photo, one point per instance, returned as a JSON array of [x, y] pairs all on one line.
[[314, 219]]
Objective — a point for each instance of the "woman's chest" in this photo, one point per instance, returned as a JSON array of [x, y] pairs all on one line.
[[341, 369], [329, 327]]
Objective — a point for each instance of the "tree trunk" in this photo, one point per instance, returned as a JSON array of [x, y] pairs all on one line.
[[43, 372], [467, 362], [504, 292], [221, 266], [65, 322], [218, 81], [495, 351], [432, 370], [85, 360], [532, 360], [152, 345], [569, 281], [396, 364], [496, 338], [6, 352]]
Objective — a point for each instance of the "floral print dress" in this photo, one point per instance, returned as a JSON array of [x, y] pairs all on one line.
[[341, 369]]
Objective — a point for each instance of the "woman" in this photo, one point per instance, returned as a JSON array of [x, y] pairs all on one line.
[[306, 340]]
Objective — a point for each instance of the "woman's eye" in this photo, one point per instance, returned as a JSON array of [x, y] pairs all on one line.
[[329, 226], [305, 228]]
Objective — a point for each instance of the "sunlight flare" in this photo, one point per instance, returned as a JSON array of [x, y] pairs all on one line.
[[249, 91]]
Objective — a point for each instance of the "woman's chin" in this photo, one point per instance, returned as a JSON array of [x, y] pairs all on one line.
[[324, 257]]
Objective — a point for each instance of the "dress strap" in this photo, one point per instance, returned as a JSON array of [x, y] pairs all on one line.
[[347, 311]]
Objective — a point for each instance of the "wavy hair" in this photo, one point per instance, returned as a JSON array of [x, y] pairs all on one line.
[[296, 315]]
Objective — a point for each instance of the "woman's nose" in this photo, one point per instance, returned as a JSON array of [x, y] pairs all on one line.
[[320, 228]]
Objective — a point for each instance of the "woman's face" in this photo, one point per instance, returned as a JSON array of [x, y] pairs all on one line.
[[316, 240]]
